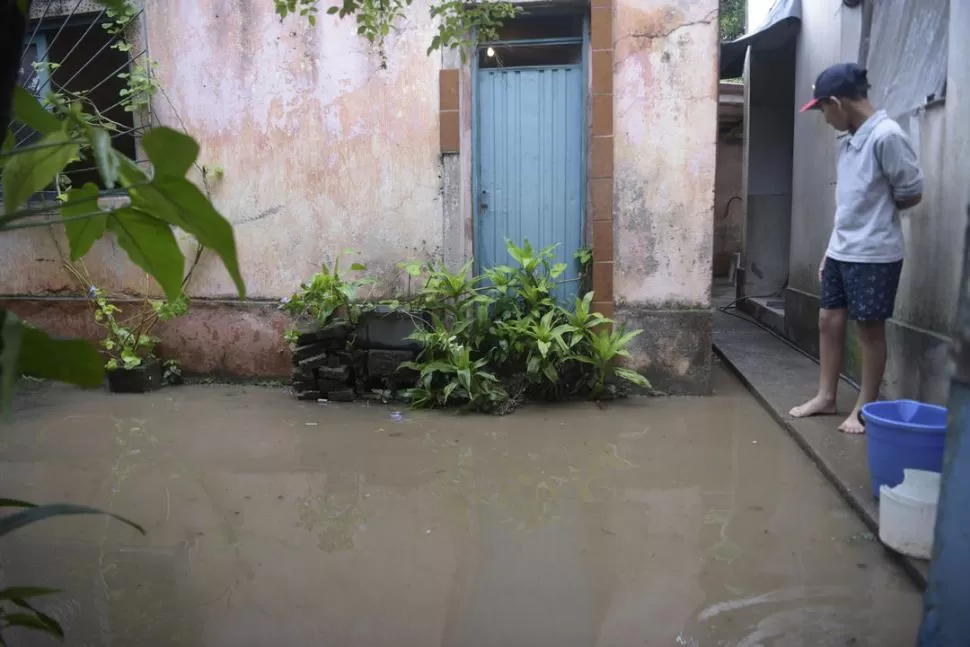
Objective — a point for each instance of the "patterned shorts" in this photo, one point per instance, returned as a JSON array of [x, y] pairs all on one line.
[[867, 290]]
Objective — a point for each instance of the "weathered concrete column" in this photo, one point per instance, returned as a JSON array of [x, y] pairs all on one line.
[[665, 116]]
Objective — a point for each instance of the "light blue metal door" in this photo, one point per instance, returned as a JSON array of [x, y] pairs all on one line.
[[531, 165]]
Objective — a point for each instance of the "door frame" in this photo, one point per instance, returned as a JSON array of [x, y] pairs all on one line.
[[583, 64]]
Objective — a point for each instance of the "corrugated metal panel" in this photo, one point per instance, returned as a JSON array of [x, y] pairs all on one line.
[[531, 157]]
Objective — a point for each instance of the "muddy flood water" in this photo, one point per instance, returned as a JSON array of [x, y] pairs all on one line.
[[663, 522]]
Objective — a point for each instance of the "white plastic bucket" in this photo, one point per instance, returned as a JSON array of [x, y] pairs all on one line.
[[907, 513]]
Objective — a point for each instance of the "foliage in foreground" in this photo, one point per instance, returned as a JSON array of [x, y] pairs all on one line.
[[143, 227], [489, 341], [17, 602], [154, 204]]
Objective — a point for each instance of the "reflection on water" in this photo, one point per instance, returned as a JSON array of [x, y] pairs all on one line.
[[661, 522]]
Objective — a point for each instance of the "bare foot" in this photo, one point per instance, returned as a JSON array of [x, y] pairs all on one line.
[[852, 424], [817, 406]]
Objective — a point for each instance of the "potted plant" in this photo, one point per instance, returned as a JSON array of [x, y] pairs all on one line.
[[129, 345]]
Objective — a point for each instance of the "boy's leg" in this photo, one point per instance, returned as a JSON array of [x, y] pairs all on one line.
[[831, 339], [872, 338], [832, 319], [871, 290]]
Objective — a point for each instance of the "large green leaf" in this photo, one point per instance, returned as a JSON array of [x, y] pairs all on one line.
[[16, 503], [105, 156], [47, 623], [172, 153], [27, 110], [82, 232], [34, 620], [9, 141], [31, 169], [74, 361], [181, 203], [633, 377], [18, 520], [151, 245], [11, 335], [25, 592]]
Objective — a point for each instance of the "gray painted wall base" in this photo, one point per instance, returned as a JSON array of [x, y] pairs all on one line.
[[919, 365], [676, 345]]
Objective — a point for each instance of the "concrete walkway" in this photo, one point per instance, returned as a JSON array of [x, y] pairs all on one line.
[[781, 377]]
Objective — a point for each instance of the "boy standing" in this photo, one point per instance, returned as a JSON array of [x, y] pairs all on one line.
[[878, 175]]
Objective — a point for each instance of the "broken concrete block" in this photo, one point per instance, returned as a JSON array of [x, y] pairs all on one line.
[[346, 395], [388, 329], [329, 386], [309, 395], [314, 362], [334, 334], [338, 374], [307, 350], [384, 363], [303, 376]]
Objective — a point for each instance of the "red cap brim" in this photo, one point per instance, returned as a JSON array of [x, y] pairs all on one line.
[[810, 105]]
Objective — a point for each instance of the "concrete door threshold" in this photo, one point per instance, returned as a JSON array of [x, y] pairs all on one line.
[[781, 377]]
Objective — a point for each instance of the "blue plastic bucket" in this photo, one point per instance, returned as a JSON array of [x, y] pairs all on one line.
[[903, 434]]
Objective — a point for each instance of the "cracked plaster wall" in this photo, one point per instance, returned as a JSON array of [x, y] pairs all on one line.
[[321, 149], [665, 109]]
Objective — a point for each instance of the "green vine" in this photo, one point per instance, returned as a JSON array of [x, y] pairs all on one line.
[[141, 88], [141, 83], [459, 24]]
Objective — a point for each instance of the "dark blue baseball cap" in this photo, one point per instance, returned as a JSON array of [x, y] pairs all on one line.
[[840, 80]]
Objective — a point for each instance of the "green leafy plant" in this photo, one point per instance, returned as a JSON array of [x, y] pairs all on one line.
[[141, 86], [128, 342], [584, 256], [492, 340], [172, 372], [116, 22], [499, 338], [328, 294], [732, 19], [143, 227], [455, 378]]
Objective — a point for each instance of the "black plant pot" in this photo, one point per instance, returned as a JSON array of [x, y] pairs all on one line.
[[140, 379]]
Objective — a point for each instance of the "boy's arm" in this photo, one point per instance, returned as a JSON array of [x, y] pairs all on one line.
[[901, 165]]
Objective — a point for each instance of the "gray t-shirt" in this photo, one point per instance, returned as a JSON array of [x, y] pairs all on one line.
[[877, 165]]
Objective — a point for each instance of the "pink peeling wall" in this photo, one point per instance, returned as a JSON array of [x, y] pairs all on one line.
[[665, 114], [321, 149]]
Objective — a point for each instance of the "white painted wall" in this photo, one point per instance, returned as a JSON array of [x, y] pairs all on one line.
[[757, 12]]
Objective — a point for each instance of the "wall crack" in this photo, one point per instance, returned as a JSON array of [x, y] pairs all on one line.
[[654, 34]]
